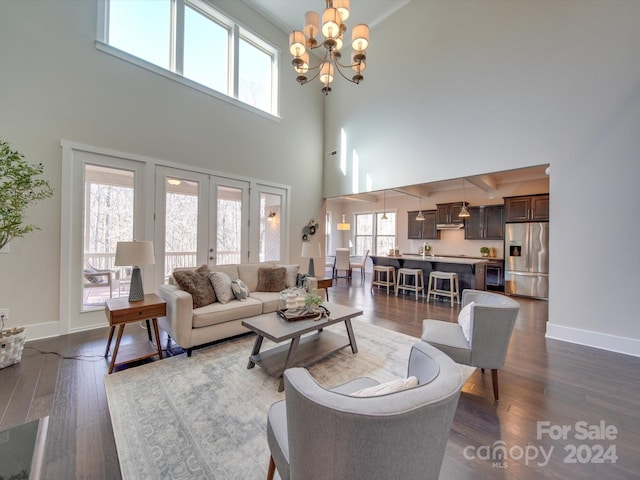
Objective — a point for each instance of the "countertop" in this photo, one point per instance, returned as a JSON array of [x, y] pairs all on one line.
[[442, 259]]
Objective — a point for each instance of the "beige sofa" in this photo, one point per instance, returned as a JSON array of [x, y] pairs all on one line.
[[192, 327]]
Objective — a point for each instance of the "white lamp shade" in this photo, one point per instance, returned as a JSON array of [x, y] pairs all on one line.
[[311, 250], [311, 22], [331, 23], [360, 37], [343, 7], [296, 43], [134, 253], [304, 68], [326, 73]]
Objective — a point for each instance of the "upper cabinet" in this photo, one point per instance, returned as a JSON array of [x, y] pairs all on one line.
[[529, 208], [423, 229], [485, 223], [447, 213]]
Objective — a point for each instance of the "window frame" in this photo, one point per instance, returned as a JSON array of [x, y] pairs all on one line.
[[374, 235], [237, 31]]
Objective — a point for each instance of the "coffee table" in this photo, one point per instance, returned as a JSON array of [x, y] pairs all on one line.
[[302, 350]]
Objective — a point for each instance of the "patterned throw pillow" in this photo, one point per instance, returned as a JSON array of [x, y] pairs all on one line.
[[222, 285], [197, 284], [271, 279], [240, 290]]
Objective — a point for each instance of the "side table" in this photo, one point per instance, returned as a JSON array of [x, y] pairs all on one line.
[[119, 313], [325, 283]]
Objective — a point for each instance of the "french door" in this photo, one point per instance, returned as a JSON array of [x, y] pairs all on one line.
[[199, 219]]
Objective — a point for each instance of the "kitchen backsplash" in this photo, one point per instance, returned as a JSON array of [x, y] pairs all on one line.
[[452, 242]]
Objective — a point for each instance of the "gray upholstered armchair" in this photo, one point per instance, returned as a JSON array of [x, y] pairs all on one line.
[[492, 317], [319, 434]]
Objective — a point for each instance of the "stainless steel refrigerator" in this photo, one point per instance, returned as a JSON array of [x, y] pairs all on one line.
[[526, 259]]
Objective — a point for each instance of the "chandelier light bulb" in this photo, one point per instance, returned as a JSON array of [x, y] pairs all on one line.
[[326, 73], [301, 64]]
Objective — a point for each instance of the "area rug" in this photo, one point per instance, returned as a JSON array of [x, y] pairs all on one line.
[[205, 417]]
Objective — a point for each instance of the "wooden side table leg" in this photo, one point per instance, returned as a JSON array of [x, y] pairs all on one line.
[[149, 330], [111, 330], [115, 349], [155, 330]]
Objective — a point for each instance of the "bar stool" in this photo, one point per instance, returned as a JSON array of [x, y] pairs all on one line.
[[454, 287], [389, 277], [418, 280]]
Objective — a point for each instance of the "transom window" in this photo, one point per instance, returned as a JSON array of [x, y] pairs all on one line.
[[196, 42]]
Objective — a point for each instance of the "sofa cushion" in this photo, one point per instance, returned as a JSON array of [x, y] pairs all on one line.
[[270, 300], [240, 290], [248, 273], [222, 285], [216, 313], [271, 279], [292, 274], [230, 269], [197, 284]]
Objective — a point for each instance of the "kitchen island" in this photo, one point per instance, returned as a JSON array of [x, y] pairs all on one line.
[[472, 272]]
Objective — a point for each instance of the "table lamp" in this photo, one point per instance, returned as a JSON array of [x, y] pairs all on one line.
[[135, 254], [310, 250]]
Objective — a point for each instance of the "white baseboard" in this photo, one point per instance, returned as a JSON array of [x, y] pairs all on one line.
[[613, 343], [39, 331]]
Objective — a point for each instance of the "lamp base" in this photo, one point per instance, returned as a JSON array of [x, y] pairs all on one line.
[[136, 291], [311, 271]]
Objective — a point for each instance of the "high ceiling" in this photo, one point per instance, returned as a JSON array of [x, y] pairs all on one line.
[[288, 15]]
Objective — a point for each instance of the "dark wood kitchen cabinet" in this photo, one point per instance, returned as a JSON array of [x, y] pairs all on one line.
[[447, 213], [485, 223], [527, 208], [423, 230]]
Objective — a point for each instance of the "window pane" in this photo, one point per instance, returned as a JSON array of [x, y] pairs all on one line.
[[388, 226], [364, 224], [269, 227], [254, 76], [229, 233], [206, 50], [108, 219], [181, 224], [142, 28]]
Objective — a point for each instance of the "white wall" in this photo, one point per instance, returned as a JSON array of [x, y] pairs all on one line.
[[495, 85], [55, 85]]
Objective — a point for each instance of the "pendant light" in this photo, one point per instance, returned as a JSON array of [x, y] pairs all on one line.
[[420, 216], [384, 208], [344, 225], [464, 213]]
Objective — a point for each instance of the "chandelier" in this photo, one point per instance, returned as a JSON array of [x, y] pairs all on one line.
[[333, 30]]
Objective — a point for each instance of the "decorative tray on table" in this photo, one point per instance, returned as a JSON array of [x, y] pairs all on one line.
[[292, 315]]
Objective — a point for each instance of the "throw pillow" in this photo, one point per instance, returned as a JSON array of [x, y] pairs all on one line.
[[239, 289], [387, 387], [197, 284], [222, 285], [292, 274], [464, 320], [271, 279]]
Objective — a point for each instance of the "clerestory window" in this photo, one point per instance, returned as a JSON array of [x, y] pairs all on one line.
[[192, 42]]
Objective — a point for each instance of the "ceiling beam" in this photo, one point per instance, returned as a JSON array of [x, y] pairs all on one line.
[[486, 183], [362, 197]]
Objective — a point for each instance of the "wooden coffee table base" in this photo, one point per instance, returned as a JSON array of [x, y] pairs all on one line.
[[302, 350]]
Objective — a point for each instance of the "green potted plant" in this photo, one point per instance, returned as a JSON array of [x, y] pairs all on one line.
[[19, 187], [312, 300], [484, 251]]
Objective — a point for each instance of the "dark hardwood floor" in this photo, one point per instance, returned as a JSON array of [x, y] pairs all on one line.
[[545, 383]]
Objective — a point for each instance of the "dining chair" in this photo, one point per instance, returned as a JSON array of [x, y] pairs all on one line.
[[360, 264], [343, 263]]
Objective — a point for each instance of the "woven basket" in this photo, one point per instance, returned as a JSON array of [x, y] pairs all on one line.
[[11, 345]]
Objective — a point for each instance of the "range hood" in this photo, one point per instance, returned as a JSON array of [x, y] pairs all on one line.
[[449, 226]]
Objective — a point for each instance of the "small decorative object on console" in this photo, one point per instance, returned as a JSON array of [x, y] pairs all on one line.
[[11, 346]]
